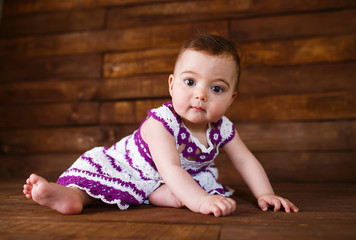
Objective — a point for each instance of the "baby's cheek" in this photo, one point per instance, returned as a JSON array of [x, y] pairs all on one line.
[[217, 113]]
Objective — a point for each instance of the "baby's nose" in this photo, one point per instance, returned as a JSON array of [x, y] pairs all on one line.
[[201, 95]]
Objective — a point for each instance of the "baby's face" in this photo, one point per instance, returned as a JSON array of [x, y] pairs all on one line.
[[202, 86]]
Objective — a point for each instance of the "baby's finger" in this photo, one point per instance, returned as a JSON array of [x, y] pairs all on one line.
[[292, 206], [276, 204], [295, 208], [263, 204], [286, 205], [27, 187]]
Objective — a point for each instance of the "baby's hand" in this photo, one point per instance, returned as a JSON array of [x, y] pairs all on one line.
[[273, 200], [218, 205]]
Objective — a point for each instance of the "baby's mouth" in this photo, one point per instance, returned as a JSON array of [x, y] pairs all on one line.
[[199, 109]]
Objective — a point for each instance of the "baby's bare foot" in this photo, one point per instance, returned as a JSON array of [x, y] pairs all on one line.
[[163, 197], [60, 198]]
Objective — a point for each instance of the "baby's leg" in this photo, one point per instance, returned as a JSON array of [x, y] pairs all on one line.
[[60, 198], [163, 197]]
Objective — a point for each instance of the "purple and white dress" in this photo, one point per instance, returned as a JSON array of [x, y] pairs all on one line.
[[125, 173]]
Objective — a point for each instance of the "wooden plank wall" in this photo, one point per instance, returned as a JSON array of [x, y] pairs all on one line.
[[78, 74]]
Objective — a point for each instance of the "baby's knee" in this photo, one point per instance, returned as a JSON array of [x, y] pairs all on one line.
[[155, 196]]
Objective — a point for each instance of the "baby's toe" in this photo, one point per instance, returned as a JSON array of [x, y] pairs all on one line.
[[27, 193], [27, 187]]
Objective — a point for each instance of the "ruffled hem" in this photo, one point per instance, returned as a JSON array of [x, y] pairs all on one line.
[[107, 194]]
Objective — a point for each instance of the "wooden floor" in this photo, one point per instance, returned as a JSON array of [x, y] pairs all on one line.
[[328, 211]]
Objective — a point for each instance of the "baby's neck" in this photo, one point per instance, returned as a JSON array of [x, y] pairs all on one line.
[[198, 131]]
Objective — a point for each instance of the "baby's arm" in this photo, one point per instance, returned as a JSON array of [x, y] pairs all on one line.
[[255, 177], [164, 153]]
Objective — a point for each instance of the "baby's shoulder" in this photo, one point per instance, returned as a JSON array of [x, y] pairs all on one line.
[[223, 124], [166, 116], [163, 113], [152, 129], [225, 128]]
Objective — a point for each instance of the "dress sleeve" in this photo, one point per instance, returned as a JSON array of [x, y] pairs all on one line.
[[167, 117], [227, 131]]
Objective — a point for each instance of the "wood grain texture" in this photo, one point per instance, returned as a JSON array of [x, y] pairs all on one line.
[[106, 40], [174, 12], [49, 91], [127, 111], [29, 69], [311, 78], [17, 7], [135, 87], [140, 63], [62, 114], [301, 51], [91, 19], [303, 231], [294, 25], [39, 229], [296, 166], [61, 140], [188, 11], [295, 107], [327, 136], [327, 212], [48, 165]]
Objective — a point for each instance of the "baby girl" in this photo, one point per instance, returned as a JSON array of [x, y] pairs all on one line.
[[169, 160]]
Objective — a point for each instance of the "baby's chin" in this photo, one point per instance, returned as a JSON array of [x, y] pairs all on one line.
[[195, 122]]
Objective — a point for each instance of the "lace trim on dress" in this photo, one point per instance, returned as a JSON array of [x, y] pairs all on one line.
[[228, 131], [143, 148], [108, 189], [218, 134], [198, 143], [166, 116]]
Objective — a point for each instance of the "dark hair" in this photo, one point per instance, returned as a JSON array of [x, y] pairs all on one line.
[[215, 46]]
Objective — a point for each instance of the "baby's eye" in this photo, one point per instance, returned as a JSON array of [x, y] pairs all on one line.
[[217, 89], [189, 82]]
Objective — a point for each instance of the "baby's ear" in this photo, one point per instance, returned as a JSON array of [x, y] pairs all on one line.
[[233, 97], [170, 83]]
